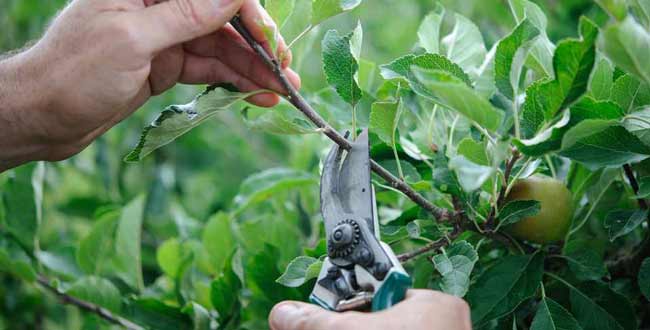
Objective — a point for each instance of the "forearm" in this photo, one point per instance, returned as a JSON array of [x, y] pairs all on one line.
[[22, 98]]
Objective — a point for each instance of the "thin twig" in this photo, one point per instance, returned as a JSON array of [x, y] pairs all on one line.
[[89, 307], [635, 186], [459, 220], [502, 193], [294, 97], [433, 246], [630, 264]]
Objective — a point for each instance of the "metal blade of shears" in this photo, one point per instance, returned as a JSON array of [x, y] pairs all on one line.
[[345, 187]]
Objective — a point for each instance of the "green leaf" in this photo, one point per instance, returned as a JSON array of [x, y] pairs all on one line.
[[598, 143], [154, 314], [464, 45], [602, 80], [627, 44], [280, 10], [510, 56], [471, 176], [455, 264], [313, 270], [474, 151], [22, 198], [641, 11], [282, 119], [418, 229], [586, 265], [299, 23], [261, 186], [402, 68], [616, 8], [61, 262], [383, 120], [597, 307], [572, 62], [552, 316], [177, 120], [638, 123], [516, 211], [540, 56], [644, 188], [224, 293], [411, 174], [127, 260], [622, 222], [201, 318], [98, 245], [368, 75], [584, 262], [324, 9], [14, 261], [219, 239], [272, 34], [550, 139], [429, 30], [341, 66], [98, 291], [296, 273], [451, 92], [644, 278], [171, 255], [261, 274], [317, 250], [630, 93], [501, 288], [485, 84], [393, 234]]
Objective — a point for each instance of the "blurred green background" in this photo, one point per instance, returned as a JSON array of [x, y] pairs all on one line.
[[201, 173]]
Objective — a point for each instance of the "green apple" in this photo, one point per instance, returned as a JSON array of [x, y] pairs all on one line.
[[554, 218]]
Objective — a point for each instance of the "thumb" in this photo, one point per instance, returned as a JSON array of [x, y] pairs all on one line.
[[172, 22], [293, 315]]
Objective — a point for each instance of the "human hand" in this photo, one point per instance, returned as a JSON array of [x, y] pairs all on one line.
[[101, 60], [422, 309]]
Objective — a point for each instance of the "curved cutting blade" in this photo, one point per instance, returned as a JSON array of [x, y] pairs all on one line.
[[355, 191], [345, 188]]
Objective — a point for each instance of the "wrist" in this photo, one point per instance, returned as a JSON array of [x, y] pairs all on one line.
[[23, 99]]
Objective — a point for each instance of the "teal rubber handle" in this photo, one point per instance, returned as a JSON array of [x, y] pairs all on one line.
[[314, 300], [392, 291]]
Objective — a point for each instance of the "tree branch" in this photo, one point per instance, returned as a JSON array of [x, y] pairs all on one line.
[[294, 97], [88, 307]]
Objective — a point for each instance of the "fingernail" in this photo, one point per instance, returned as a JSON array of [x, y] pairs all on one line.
[[282, 315]]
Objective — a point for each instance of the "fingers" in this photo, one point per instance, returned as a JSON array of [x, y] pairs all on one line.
[[257, 19], [172, 22], [232, 50], [166, 69], [210, 70], [292, 315]]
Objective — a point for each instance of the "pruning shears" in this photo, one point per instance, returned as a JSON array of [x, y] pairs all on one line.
[[360, 271]]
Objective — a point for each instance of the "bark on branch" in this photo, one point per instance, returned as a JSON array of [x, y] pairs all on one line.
[[88, 307]]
